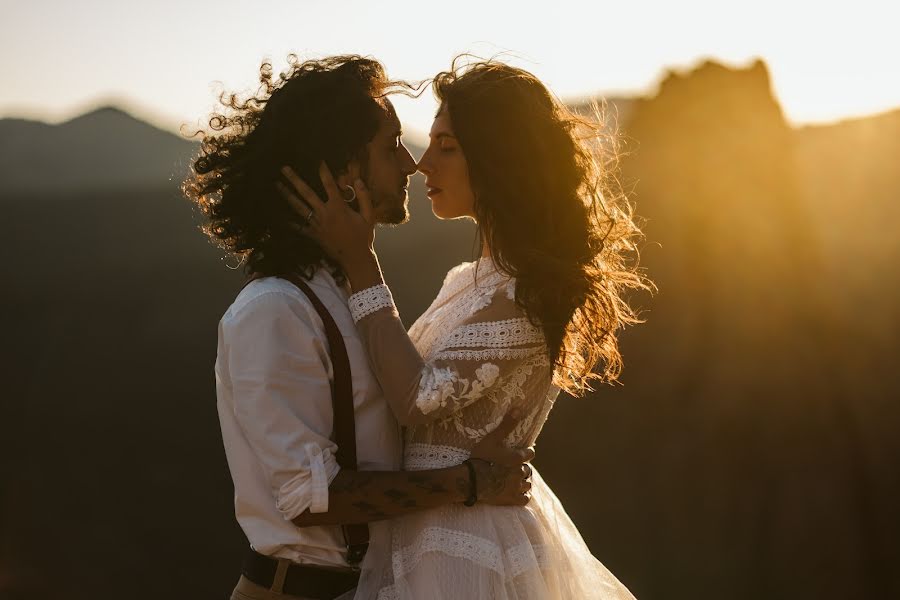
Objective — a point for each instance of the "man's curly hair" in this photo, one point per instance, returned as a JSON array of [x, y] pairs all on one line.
[[317, 110]]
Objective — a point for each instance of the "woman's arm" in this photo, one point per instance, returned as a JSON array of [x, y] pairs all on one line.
[[477, 357], [482, 357]]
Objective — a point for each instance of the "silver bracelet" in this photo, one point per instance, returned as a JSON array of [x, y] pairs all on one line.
[[369, 300]]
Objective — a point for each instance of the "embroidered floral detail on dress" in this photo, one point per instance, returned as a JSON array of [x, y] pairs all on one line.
[[438, 386], [482, 300], [511, 289], [465, 399], [434, 388], [487, 374], [500, 398]]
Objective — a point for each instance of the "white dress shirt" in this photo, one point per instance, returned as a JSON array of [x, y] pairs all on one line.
[[273, 385]]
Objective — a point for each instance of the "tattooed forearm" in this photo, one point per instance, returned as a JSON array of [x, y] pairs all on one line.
[[427, 482], [349, 485], [364, 496]]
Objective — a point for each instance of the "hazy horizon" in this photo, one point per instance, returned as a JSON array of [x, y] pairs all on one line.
[[168, 123], [826, 65]]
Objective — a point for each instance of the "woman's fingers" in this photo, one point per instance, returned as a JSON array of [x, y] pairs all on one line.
[[307, 224], [331, 188], [299, 206], [365, 201], [307, 193]]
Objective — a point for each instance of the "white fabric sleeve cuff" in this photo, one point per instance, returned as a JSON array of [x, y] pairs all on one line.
[[367, 301], [309, 488]]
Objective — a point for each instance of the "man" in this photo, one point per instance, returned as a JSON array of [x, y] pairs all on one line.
[[274, 371]]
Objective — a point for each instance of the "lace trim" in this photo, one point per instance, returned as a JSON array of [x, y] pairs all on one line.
[[421, 457], [527, 557], [388, 593], [488, 354], [495, 334], [367, 301], [460, 544], [454, 303]]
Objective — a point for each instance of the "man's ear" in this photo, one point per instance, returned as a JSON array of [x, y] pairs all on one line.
[[354, 171], [342, 178], [350, 174], [346, 179]]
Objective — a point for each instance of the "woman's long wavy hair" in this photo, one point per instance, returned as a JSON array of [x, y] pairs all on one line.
[[316, 110], [549, 205]]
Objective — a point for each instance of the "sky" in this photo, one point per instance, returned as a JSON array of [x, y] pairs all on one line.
[[164, 60]]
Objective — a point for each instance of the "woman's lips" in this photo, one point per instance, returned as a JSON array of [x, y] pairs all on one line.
[[433, 191]]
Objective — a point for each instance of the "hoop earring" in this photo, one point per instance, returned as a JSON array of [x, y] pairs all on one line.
[[352, 191]]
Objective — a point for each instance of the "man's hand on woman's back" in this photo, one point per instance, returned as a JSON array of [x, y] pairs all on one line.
[[503, 474]]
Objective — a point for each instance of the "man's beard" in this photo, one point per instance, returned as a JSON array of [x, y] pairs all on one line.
[[390, 209]]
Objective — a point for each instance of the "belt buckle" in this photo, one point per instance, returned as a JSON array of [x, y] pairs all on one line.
[[355, 554]]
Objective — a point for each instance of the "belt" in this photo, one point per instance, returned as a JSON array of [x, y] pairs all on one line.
[[309, 581]]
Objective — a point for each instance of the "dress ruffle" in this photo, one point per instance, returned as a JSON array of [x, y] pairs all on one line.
[[496, 552]]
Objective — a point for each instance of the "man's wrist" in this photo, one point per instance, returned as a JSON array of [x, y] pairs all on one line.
[[473, 483], [486, 474], [458, 483]]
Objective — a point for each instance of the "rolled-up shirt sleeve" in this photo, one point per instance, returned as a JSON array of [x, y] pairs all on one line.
[[281, 377]]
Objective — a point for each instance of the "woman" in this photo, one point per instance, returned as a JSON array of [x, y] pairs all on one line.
[[536, 314]]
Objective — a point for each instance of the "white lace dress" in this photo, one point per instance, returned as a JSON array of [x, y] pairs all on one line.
[[469, 359]]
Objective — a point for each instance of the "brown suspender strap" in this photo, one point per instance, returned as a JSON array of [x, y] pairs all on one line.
[[356, 535], [342, 392]]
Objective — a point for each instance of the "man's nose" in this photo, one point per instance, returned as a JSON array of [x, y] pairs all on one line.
[[410, 165], [422, 165]]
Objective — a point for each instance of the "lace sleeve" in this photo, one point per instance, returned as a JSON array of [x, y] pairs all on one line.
[[474, 361]]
